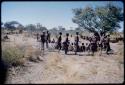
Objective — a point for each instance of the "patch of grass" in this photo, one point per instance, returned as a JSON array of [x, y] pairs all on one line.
[[12, 55], [16, 55]]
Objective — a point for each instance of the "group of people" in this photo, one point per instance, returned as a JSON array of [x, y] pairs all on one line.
[[94, 44], [44, 38]]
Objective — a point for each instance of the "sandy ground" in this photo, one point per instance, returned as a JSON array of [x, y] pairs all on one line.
[[60, 68]]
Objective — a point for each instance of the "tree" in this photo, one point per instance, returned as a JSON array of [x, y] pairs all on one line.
[[30, 28], [110, 16], [61, 28], [78, 29], [99, 20], [20, 28], [12, 25], [43, 28], [54, 31], [39, 27]]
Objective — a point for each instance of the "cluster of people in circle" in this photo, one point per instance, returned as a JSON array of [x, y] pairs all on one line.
[[94, 44]]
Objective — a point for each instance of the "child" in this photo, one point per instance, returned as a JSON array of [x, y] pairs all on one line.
[[87, 47], [83, 47], [53, 41], [72, 47]]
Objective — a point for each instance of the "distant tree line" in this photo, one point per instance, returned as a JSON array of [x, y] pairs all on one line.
[[13, 25]]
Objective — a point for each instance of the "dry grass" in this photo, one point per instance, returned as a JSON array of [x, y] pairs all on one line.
[[60, 68], [120, 56], [32, 54], [53, 60], [16, 52], [90, 69], [12, 55]]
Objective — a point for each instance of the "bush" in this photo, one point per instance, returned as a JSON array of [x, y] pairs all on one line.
[[16, 55], [12, 56]]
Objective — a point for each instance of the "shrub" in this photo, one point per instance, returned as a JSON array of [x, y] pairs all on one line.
[[12, 55], [17, 54]]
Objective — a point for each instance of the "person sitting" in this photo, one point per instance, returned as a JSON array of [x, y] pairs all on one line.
[[88, 48], [53, 41], [83, 47], [71, 47], [6, 37]]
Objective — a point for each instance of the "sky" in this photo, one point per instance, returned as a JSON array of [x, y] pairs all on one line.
[[49, 14]]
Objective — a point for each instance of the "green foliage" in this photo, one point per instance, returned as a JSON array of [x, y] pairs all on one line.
[[38, 27], [30, 27], [101, 19], [11, 25]]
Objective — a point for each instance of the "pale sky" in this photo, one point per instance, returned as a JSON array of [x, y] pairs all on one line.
[[49, 14]]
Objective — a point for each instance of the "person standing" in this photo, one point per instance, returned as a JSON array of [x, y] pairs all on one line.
[[47, 38], [101, 44], [93, 45], [59, 46], [42, 40], [37, 36], [66, 44], [76, 43], [107, 40]]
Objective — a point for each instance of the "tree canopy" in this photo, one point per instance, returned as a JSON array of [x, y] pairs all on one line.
[[101, 19], [12, 25]]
